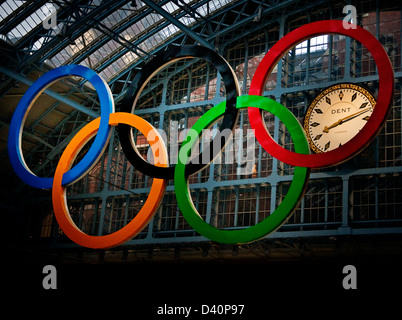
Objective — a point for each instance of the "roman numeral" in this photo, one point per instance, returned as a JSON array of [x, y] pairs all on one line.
[[354, 97]]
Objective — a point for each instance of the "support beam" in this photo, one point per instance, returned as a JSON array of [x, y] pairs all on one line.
[[178, 24], [73, 30], [51, 93], [20, 15], [31, 135]]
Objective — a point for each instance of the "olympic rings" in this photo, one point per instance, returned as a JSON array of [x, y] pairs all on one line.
[[369, 131], [161, 171], [147, 72], [144, 215], [284, 210], [25, 104]]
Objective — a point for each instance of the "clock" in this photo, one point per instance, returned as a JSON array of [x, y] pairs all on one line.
[[336, 115]]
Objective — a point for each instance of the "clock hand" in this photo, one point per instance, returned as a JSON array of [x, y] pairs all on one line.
[[354, 115], [340, 121], [326, 129]]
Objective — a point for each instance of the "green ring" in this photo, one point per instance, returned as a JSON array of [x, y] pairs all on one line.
[[288, 204]]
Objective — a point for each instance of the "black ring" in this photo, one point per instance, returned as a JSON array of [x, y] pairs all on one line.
[[139, 82]]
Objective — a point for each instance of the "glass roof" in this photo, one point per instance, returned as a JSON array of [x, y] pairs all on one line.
[[127, 34], [130, 34], [8, 7]]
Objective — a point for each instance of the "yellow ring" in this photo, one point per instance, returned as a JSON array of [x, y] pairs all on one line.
[[150, 206]]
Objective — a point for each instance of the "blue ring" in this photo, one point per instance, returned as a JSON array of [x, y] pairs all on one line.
[[23, 107]]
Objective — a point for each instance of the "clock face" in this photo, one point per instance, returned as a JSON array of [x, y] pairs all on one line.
[[336, 115]]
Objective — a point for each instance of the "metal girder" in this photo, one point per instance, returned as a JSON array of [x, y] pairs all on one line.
[[148, 34], [49, 110], [267, 22], [75, 29], [57, 43], [65, 13], [109, 61], [61, 45], [51, 93], [92, 48], [20, 15], [250, 18], [244, 20], [178, 24], [31, 135], [55, 151], [193, 13], [58, 128], [111, 34], [122, 73]]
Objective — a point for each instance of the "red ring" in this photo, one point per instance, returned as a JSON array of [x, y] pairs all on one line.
[[369, 131]]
